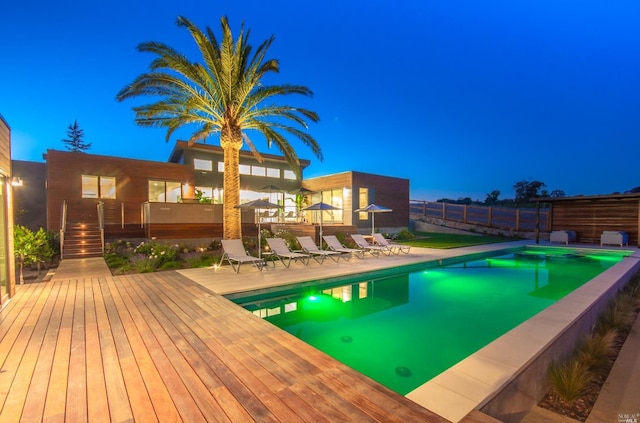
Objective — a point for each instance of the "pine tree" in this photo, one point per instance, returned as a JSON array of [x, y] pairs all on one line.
[[75, 141]]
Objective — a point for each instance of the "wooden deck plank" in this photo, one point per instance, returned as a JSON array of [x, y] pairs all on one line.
[[96, 384], [35, 400], [244, 365], [162, 348], [55, 403], [24, 354], [117, 353], [233, 408], [194, 353], [154, 390], [168, 361], [76, 408]]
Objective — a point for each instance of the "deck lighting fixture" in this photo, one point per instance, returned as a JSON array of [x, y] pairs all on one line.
[[16, 181]]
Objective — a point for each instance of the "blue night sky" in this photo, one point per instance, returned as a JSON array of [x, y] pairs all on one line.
[[461, 97]]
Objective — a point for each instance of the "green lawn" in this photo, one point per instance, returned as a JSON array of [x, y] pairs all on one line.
[[442, 240]]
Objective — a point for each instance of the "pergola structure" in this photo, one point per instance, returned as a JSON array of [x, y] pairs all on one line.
[[589, 216]]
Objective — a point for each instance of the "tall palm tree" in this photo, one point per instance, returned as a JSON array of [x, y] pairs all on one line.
[[224, 94]]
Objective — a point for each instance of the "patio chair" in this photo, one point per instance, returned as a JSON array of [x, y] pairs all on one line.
[[564, 237], [310, 247], [614, 237], [284, 254], [236, 255], [396, 248], [374, 250], [334, 244]]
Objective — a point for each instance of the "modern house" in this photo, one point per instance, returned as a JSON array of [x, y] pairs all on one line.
[[7, 182], [92, 198]]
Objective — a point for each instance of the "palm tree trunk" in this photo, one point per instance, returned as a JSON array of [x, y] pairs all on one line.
[[232, 224]]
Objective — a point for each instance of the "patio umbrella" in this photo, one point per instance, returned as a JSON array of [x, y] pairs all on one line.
[[257, 205], [373, 209], [321, 207]]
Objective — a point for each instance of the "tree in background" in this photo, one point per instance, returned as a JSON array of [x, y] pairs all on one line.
[[225, 94], [526, 190], [75, 142], [492, 197]]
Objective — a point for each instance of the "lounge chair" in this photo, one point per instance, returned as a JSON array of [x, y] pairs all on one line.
[[334, 244], [310, 247], [236, 255], [374, 250], [396, 248], [284, 254]]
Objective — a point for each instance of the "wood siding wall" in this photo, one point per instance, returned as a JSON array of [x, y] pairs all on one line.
[[64, 182], [5, 170], [387, 192], [590, 217], [383, 190]]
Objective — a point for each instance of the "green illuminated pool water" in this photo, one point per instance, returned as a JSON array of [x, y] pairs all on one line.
[[404, 329]]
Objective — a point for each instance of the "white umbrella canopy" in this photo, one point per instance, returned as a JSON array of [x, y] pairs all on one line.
[[321, 207], [257, 205], [373, 209]]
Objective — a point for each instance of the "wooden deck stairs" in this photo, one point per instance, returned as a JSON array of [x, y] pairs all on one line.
[[82, 240]]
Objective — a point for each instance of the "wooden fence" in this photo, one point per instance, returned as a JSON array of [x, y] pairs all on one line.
[[517, 219]]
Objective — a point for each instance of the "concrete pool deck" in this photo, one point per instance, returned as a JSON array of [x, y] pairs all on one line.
[[473, 383]]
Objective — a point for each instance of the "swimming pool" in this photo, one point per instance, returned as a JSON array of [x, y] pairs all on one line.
[[403, 328]]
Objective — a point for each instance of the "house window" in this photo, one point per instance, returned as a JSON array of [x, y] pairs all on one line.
[[199, 164], [258, 171], [165, 191], [221, 167], [244, 169], [273, 173], [290, 174], [98, 186], [363, 200]]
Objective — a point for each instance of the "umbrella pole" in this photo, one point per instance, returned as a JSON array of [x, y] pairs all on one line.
[[259, 246], [373, 222]]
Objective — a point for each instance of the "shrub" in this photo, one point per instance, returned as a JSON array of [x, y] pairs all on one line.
[[597, 350], [569, 379], [405, 234], [140, 263], [160, 253]]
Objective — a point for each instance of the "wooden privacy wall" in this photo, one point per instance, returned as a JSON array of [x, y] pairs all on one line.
[[590, 217]]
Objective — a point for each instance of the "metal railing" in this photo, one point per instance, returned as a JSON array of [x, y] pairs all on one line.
[[63, 226], [100, 207]]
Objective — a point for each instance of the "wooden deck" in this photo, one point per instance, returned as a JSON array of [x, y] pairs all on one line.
[[159, 347]]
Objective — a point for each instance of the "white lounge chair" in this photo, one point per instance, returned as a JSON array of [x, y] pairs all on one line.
[[396, 248], [374, 250], [236, 255], [310, 247], [334, 244], [284, 254]]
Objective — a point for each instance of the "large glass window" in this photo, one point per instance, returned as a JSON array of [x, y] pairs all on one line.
[[165, 191], [289, 174], [363, 201], [98, 186]]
